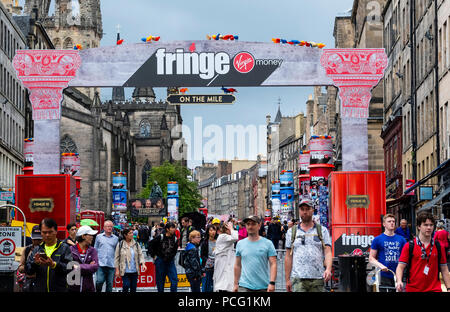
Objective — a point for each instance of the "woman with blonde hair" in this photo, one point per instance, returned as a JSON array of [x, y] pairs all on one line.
[[192, 263]]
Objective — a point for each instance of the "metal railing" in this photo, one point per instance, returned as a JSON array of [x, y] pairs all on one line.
[[280, 285]]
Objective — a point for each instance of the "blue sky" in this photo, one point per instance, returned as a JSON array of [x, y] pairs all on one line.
[[251, 20]]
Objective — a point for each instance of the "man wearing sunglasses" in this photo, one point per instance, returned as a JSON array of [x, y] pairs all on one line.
[[308, 259]]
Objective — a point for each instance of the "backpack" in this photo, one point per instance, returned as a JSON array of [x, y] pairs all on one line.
[[319, 234], [411, 253]]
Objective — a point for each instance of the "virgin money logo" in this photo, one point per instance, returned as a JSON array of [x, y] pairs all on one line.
[[244, 62], [202, 69]]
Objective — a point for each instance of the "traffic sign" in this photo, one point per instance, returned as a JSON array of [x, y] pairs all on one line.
[[10, 239], [178, 99]]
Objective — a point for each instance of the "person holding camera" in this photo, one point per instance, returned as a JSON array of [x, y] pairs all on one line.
[[224, 257], [49, 261]]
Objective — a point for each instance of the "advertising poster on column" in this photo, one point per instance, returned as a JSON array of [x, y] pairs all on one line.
[[172, 208], [286, 179], [287, 194], [276, 203], [287, 204], [321, 149], [28, 149], [120, 200], [172, 200], [119, 191], [275, 189], [276, 207], [119, 180], [172, 190], [304, 162], [70, 164], [304, 177]]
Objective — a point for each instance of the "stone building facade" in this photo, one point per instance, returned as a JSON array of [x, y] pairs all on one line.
[[13, 99], [237, 194], [104, 144], [286, 137], [444, 78], [150, 123], [204, 172], [397, 106], [73, 22], [416, 35], [119, 135]]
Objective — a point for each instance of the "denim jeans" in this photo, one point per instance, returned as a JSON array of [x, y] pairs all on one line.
[[164, 269], [195, 284], [207, 282], [105, 274], [129, 282], [275, 242]]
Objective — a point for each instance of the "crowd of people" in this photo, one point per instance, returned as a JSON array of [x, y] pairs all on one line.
[[228, 256]]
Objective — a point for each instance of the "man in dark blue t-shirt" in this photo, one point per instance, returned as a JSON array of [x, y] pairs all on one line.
[[385, 251]]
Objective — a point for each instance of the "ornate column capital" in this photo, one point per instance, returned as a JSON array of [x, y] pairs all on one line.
[[45, 73], [355, 72]]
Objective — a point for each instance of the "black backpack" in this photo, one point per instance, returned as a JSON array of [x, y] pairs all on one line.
[[157, 240], [410, 256]]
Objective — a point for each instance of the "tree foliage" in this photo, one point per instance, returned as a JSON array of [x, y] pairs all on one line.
[[190, 198]]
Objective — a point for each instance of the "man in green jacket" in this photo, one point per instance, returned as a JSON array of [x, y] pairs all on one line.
[[49, 260]]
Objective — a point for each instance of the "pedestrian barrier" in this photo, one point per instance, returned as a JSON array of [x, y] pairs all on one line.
[[148, 278], [143, 282]]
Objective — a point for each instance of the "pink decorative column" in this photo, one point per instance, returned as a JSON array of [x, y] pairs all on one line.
[[45, 73], [355, 72]]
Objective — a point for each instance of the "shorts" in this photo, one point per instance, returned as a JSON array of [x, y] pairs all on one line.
[[307, 285], [243, 289]]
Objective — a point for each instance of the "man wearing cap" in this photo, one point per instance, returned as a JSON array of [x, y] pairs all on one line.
[[308, 259], [105, 244], [36, 238], [255, 268], [86, 257]]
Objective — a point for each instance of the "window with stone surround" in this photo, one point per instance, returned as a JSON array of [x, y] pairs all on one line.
[[67, 145], [68, 43], [146, 172], [144, 128]]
